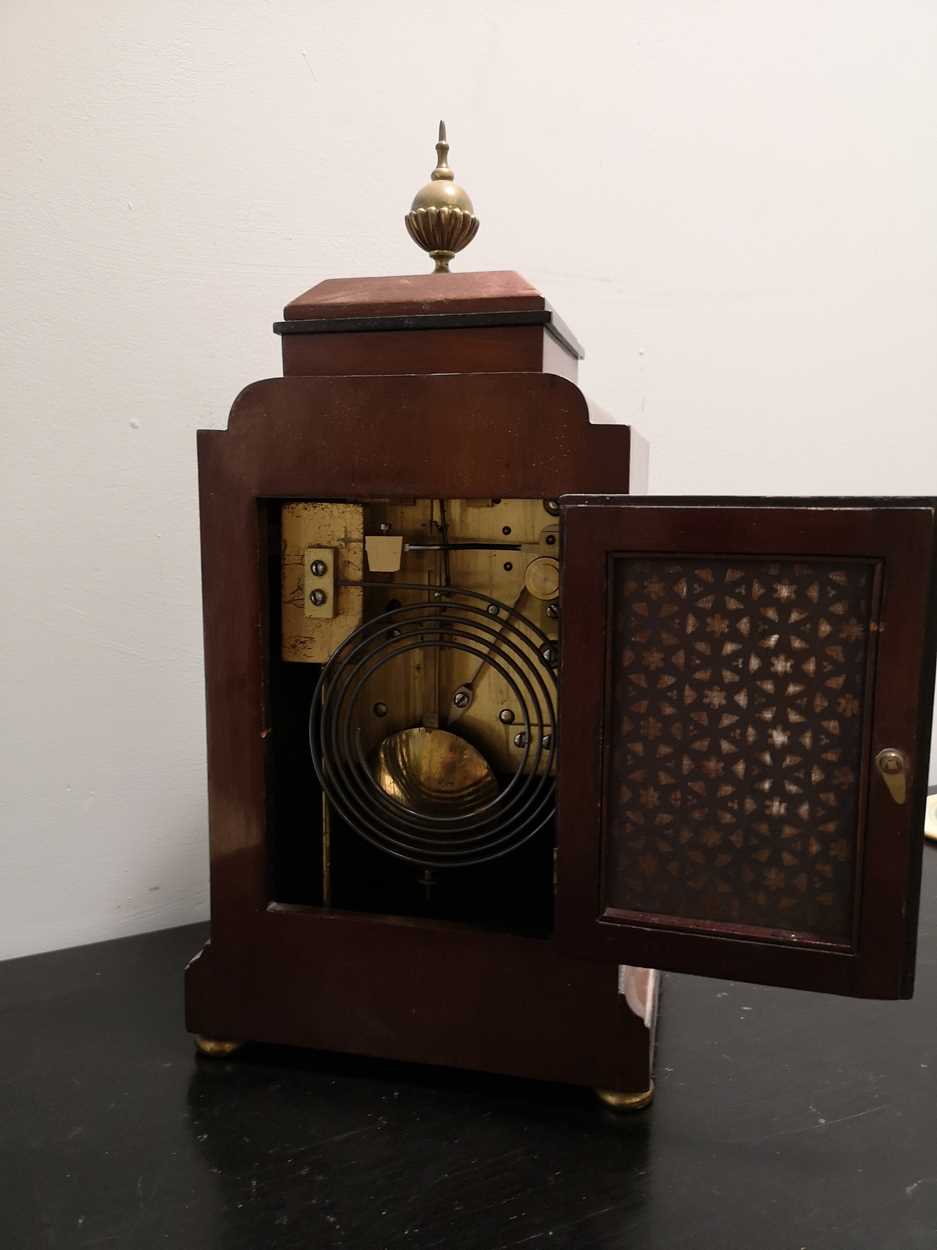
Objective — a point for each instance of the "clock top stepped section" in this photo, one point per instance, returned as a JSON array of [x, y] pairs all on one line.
[[484, 322], [465, 322]]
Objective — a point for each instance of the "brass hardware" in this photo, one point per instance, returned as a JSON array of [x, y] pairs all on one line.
[[547, 542], [214, 1048], [542, 577], [320, 582], [418, 689], [616, 1100], [335, 533], [384, 552], [893, 769], [442, 218], [434, 772], [506, 716]]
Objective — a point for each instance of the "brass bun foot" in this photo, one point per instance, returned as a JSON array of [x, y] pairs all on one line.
[[214, 1048], [617, 1100]]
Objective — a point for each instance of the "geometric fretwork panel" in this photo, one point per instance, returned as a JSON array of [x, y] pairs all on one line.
[[737, 707]]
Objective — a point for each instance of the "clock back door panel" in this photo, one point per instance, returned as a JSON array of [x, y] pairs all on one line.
[[745, 695]]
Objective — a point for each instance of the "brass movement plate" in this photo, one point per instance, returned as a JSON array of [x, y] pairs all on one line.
[[519, 568]]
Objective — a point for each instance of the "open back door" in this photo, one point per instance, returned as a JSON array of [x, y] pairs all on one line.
[[745, 704]]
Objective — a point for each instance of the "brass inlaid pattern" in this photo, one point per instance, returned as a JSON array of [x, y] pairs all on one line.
[[736, 732]]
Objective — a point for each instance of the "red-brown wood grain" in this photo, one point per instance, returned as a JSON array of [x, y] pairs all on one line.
[[479, 349], [414, 294], [895, 536], [427, 991]]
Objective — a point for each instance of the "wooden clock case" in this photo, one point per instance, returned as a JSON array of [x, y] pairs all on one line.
[[457, 386], [463, 387]]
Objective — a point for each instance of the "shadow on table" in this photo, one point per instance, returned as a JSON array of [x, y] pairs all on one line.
[[315, 1149]]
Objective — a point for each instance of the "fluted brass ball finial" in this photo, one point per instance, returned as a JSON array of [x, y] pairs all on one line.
[[442, 219]]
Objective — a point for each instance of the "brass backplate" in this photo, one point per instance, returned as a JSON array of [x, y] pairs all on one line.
[[418, 689]]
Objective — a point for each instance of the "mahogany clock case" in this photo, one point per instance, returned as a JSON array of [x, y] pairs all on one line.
[[732, 675], [426, 989]]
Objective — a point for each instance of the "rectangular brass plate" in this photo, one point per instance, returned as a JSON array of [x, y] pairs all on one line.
[[339, 529], [418, 689], [319, 583], [384, 553]]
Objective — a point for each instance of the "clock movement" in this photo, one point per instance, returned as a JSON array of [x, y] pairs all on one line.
[[491, 732]]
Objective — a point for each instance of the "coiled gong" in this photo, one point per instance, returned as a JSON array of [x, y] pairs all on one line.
[[424, 792]]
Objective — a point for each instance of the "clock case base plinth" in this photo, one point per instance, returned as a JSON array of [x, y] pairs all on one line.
[[488, 1002]]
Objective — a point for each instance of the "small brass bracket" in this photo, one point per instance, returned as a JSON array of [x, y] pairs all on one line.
[[893, 769], [319, 583], [384, 552]]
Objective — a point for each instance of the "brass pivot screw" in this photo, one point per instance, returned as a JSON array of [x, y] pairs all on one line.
[[506, 716], [462, 698], [520, 740], [317, 597], [318, 568]]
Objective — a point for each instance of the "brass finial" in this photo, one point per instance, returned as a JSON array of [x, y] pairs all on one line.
[[442, 219]]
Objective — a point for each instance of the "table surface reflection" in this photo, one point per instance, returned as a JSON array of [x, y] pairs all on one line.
[[782, 1121]]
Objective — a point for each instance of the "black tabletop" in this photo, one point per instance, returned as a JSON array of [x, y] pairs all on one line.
[[783, 1121]]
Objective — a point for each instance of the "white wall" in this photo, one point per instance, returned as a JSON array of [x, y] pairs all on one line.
[[733, 204]]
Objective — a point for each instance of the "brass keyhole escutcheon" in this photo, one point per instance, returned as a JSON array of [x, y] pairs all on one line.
[[893, 769]]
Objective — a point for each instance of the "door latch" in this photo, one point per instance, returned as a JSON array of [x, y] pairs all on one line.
[[893, 768]]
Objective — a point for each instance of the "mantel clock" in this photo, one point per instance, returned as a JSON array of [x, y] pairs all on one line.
[[491, 732]]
